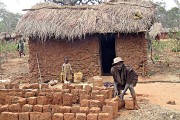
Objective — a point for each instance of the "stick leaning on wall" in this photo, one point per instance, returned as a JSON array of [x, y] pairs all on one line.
[[39, 71]]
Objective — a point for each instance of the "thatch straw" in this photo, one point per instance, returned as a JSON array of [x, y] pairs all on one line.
[[155, 30], [69, 22]]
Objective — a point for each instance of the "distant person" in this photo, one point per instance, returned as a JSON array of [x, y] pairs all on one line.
[[66, 71], [124, 78], [20, 47]]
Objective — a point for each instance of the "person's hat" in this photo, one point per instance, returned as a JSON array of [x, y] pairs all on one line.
[[117, 60]]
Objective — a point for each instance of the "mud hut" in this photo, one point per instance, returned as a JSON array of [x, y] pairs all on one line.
[[90, 36]]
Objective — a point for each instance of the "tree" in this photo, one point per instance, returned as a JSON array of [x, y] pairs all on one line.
[[8, 20], [161, 13], [170, 18], [177, 3], [173, 18]]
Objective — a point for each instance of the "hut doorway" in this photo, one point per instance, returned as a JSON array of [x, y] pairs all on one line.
[[107, 52]]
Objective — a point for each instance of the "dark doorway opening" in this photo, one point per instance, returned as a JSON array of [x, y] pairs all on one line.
[[107, 51]]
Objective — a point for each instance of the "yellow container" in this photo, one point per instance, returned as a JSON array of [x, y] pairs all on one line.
[[62, 77], [78, 77]]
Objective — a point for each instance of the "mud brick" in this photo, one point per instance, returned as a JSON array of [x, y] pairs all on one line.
[[4, 108], [96, 88], [75, 109], [45, 116], [15, 99], [95, 110], [78, 86], [2, 86], [44, 86], [22, 101], [75, 91], [65, 109], [56, 108], [67, 99], [58, 90], [84, 110], [106, 101], [26, 86], [29, 94], [15, 86], [27, 108], [64, 86], [35, 115], [69, 116], [42, 100], [65, 90], [50, 97], [100, 98], [114, 105], [58, 116], [15, 108], [47, 108], [42, 94], [108, 109], [84, 96], [37, 108], [21, 94], [13, 116], [81, 116], [121, 103], [70, 86], [24, 116], [35, 91], [92, 116], [84, 103], [94, 93], [8, 86], [8, 99], [88, 88], [104, 116], [81, 92], [34, 86], [57, 98], [110, 93], [32, 100], [105, 93], [129, 104], [95, 103], [75, 99], [4, 116]]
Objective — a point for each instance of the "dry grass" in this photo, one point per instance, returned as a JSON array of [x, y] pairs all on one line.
[[68, 22]]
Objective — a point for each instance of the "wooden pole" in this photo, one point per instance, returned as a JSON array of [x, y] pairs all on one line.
[[40, 77]]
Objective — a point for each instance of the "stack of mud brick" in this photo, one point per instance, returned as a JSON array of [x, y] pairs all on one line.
[[72, 102]]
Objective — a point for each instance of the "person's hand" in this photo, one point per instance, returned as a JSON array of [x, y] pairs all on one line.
[[121, 97], [115, 89]]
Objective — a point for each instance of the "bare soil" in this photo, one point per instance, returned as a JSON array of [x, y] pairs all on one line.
[[153, 91]]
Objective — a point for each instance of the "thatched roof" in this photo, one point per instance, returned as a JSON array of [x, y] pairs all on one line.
[[155, 30], [50, 19]]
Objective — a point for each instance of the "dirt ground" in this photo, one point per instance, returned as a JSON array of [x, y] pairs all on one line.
[[153, 92]]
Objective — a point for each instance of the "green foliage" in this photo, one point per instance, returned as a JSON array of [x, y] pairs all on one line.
[[176, 49], [156, 57], [158, 45], [170, 18], [8, 20], [8, 47]]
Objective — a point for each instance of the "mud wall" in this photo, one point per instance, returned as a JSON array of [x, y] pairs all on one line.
[[83, 55], [132, 48]]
